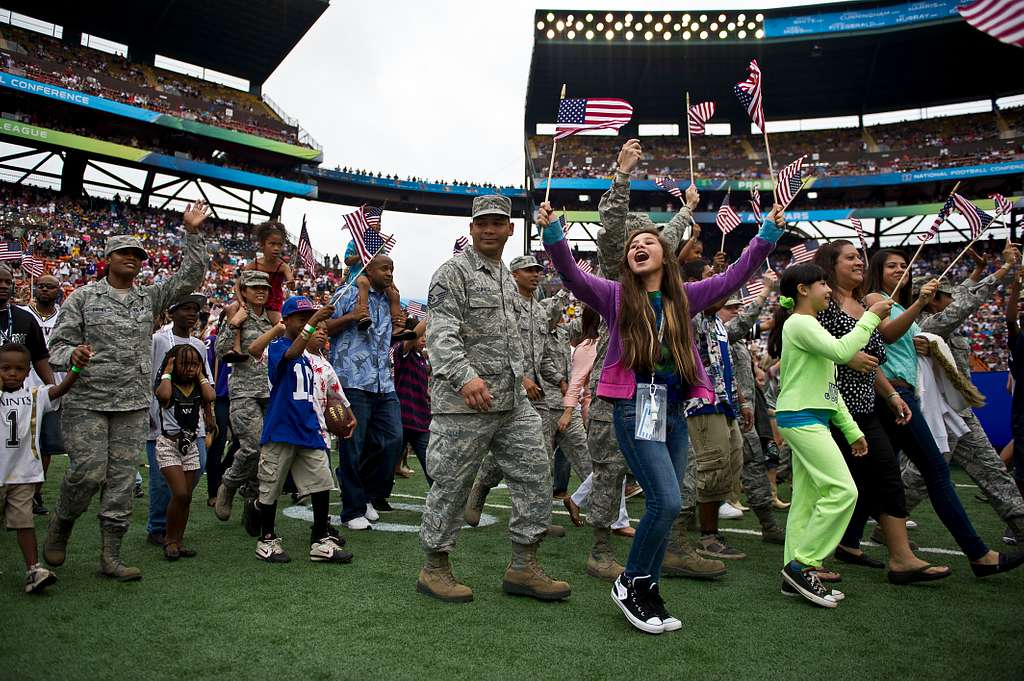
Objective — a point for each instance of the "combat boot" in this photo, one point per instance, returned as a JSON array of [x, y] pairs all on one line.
[[601, 562], [56, 545], [437, 581], [110, 559], [225, 498], [771, 533], [524, 577], [555, 531], [475, 503], [681, 559]]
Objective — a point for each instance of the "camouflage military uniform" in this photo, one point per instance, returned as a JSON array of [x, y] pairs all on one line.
[[606, 459], [248, 391], [973, 451], [105, 415], [554, 369], [473, 331]]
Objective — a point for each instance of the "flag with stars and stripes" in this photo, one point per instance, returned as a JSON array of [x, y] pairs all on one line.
[[1001, 19], [584, 266], [753, 289], [369, 241], [790, 180], [977, 219], [671, 186], [727, 218], [373, 215], [416, 309], [1003, 204], [10, 250], [577, 115], [803, 252], [698, 115], [305, 249], [32, 265], [749, 94], [859, 228], [755, 204], [939, 219], [460, 245]]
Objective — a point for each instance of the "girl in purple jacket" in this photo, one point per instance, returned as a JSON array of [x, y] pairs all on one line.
[[651, 369]]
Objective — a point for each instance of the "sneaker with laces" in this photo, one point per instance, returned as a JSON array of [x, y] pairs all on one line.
[[358, 523], [630, 594], [332, 534], [714, 546], [371, 514], [668, 621], [806, 583], [325, 550], [789, 591], [38, 578], [729, 512], [270, 550]]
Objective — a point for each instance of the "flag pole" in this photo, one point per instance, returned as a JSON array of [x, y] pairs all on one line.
[[689, 137], [968, 247], [768, 151], [918, 251], [721, 248], [554, 146]]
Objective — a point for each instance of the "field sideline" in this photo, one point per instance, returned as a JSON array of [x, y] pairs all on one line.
[[226, 615]]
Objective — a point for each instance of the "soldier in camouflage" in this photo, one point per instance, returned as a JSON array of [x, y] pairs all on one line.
[[563, 427], [248, 392], [478, 403], [944, 317], [105, 416]]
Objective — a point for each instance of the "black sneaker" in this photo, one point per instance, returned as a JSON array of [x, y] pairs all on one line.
[[38, 508], [325, 550], [658, 603], [1009, 536], [251, 518], [331, 533], [807, 584], [138, 492], [631, 597], [789, 591]]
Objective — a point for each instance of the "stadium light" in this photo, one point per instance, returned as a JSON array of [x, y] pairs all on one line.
[[639, 26], [550, 34], [703, 18], [740, 18], [551, 16], [686, 18], [600, 26], [741, 35], [675, 27], [628, 18], [732, 26], [759, 34], [703, 35], [570, 35], [686, 35], [590, 17], [629, 35], [569, 19], [759, 17], [667, 18], [590, 35], [694, 26], [714, 26], [618, 25], [658, 26], [648, 18], [560, 25], [608, 17], [579, 25], [648, 35], [609, 35], [726, 26], [721, 18], [723, 34], [667, 35]]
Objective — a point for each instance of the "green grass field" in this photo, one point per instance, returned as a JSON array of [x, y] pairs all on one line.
[[226, 615]]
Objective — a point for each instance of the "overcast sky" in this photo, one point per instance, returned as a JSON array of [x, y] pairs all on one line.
[[433, 89]]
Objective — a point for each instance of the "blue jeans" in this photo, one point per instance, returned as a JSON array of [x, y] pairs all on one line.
[[366, 465], [418, 440], [659, 468], [159, 492], [915, 440]]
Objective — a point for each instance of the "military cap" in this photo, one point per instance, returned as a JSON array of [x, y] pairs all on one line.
[[524, 261], [255, 278], [492, 204], [733, 301], [123, 242], [192, 298]]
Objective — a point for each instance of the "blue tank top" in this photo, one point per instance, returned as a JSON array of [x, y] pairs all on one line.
[[901, 358]]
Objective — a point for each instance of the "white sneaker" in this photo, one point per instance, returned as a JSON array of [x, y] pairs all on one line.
[[359, 523], [911, 525], [729, 512], [38, 578], [371, 514], [326, 551], [271, 551]]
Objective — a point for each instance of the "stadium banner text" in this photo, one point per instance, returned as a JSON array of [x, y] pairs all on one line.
[[867, 19]]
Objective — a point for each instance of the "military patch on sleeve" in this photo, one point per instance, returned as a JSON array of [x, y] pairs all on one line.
[[436, 295]]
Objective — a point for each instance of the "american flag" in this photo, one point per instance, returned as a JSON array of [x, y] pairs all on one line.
[[373, 215], [369, 242], [306, 249], [32, 265], [755, 204], [749, 94], [416, 309], [671, 186], [10, 250], [939, 219], [698, 115], [460, 245], [584, 266], [803, 252], [1001, 19], [727, 218], [790, 180], [859, 228], [978, 219], [754, 288], [577, 115], [1003, 204]]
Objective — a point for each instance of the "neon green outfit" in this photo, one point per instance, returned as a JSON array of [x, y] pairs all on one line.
[[824, 493]]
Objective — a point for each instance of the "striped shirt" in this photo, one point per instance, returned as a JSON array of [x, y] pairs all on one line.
[[411, 372]]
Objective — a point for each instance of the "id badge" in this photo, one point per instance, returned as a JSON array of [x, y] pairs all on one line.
[[651, 412]]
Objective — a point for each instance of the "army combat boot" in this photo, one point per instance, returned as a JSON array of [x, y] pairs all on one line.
[[437, 581], [601, 562], [110, 558], [555, 531], [475, 503], [681, 559], [56, 545], [225, 499], [525, 578], [771, 533]]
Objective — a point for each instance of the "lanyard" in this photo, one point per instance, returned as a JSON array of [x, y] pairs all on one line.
[[661, 335], [8, 337]]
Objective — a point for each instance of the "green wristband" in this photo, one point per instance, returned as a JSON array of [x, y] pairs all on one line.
[[165, 377], [75, 369], [309, 330]]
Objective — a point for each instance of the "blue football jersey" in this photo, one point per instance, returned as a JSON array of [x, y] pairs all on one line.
[[291, 417]]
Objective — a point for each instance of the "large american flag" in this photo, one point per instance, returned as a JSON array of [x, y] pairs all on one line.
[[727, 218], [584, 266], [939, 219], [978, 219], [749, 94], [755, 204], [1003, 204], [790, 180], [460, 245], [698, 116], [306, 249], [859, 228], [32, 265], [1001, 19], [10, 250], [577, 115], [803, 252], [671, 186], [369, 242]]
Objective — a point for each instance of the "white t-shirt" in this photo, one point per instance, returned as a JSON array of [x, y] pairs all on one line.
[[164, 340], [47, 325], [21, 419], [325, 384]]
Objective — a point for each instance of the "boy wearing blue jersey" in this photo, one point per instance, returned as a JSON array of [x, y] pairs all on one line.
[[292, 441]]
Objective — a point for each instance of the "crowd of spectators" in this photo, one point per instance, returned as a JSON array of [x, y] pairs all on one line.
[[111, 76], [419, 180]]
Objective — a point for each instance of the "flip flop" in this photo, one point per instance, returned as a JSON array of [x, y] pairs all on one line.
[[904, 577], [574, 511]]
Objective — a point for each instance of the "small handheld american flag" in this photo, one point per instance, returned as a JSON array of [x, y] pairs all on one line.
[[460, 245], [754, 288], [755, 204], [306, 249], [977, 219], [939, 219], [10, 250], [803, 252], [698, 116], [727, 218], [859, 229], [1003, 204], [749, 94], [32, 265], [790, 181], [577, 115], [369, 242], [671, 186], [416, 309]]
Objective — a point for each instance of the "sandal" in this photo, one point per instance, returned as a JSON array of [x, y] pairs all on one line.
[[903, 577], [186, 552], [171, 552], [574, 511]]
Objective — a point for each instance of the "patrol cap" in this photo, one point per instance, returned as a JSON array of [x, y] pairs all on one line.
[[733, 301], [524, 261], [945, 287], [296, 304], [492, 204], [254, 278], [192, 298], [122, 242]]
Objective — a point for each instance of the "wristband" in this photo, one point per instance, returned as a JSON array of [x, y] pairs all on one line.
[[165, 377], [892, 395], [204, 381], [75, 369], [309, 330]]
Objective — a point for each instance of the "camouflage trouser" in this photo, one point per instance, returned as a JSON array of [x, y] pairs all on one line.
[[572, 441], [246, 415], [103, 448], [490, 475], [608, 465], [458, 443], [974, 453], [716, 447], [755, 474]]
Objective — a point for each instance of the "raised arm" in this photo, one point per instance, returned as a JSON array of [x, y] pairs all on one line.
[[892, 330], [1012, 312], [968, 297], [681, 221], [614, 208], [742, 323], [810, 336], [189, 276], [596, 292]]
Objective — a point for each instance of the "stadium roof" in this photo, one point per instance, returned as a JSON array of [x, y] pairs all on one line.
[[244, 38], [833, 73]]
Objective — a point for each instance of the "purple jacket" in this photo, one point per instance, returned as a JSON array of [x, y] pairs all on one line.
[[618, 381]]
